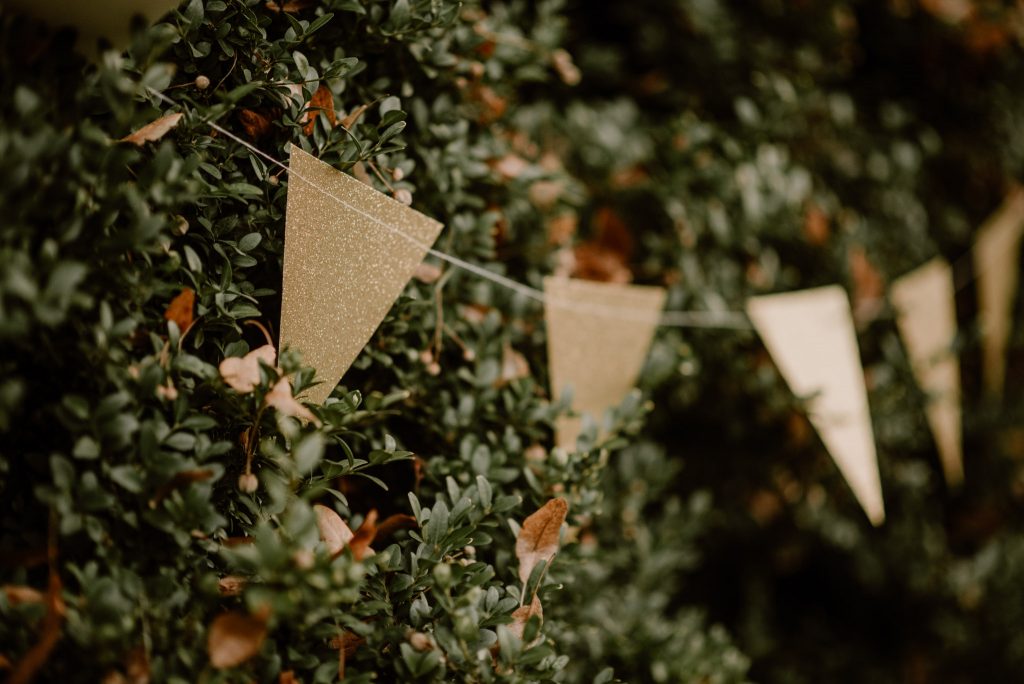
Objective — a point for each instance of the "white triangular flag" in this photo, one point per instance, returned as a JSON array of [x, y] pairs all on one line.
[[996, 253], [598, 337], [926, 317], [345, 263], [811, 337]]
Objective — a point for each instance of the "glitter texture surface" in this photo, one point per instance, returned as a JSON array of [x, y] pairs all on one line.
[[591, 349], [342, 269]]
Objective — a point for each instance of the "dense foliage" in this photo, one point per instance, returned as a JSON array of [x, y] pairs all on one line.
[[719, 148]]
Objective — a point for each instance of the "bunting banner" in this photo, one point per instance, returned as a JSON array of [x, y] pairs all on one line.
[[811, 337], [345, 263], [996, 257], [592, 351], [926, 318], [110, 20]]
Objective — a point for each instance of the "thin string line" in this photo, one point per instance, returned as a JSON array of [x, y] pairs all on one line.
[[676, 319]]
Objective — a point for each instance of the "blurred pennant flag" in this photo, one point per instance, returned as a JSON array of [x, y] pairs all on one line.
[[595, 351], [996, 253], [811, 337], [93, 20], [344, 266], [926, 318]]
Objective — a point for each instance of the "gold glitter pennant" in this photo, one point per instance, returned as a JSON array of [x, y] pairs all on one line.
[[343, 269], [926, 318], [996, 251], [810, 336], [592, 349]]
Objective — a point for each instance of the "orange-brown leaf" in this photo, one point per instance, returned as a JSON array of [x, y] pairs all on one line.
[[288, 677], [235, 638], [154, 130], [538, 540], [231, 585], [334, 532], [243, 374], [522, 615], [289, 6], [322, 101], [180, 309], [255, 124], [350, 120], [393, 523], [49, 633], [364, 536], [513, 366], [19, 594]]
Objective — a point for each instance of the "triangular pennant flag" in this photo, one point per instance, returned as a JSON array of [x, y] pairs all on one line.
[[926, 317], [107, 19], [996, 253], [811, 337], [345, 263], [598, 337]]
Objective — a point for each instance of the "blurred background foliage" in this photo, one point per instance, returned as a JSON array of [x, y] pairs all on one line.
[[719, 148]]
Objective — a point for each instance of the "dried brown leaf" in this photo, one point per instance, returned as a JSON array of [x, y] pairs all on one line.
[[565, 67], [522, 615], [154, 130], [427, 273], [18, 595], [243, 374], [364, 536], [49, 631], [393, 523], [280, 398], [180, 309], [289, 6], [235, 638], [816, 228], [334, 532], [231, 585], [353, 117], [538, 539], [255, 124], [136, 666], [513, 366], [322, 101], [288, 677]]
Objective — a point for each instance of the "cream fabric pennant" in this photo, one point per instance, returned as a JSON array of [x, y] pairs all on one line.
[[811, 337], [926, 318], [343, 267], [996, 253], [592, 349]]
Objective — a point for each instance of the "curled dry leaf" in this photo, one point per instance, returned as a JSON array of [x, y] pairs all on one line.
[[18, 595], [181, 479], [231, 585], [287, 677], [153, 131], [538, 540], [24, 670], [289, 6], [522, 615], [353, 117], [565, 67], [255, 124], [322, 101], [393, 523], [427, 273], [280, 398], [243, 374], [346, 644], [364, 536], [235, 638], [334, 532], [513, 366], [180, 309]]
